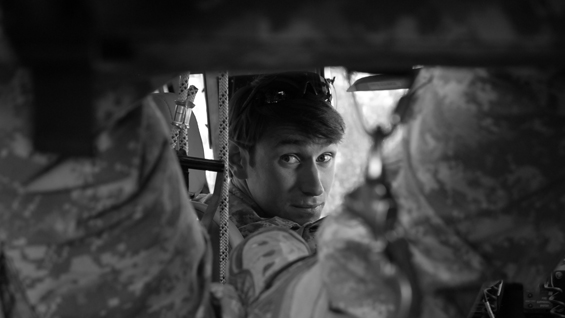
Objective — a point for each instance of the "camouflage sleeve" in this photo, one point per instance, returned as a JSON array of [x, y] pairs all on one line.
[[113, 235], [481, 189]]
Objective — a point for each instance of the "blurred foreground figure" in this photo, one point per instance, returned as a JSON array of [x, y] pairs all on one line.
[[481, 188], [113, 235]]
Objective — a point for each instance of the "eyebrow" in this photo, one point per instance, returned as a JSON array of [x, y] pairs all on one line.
[[292, 141], [300, 141]]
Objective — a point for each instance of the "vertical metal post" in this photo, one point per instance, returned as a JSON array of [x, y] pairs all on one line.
[[223, 96]]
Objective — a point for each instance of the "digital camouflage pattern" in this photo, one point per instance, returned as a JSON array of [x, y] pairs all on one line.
[[481, 187], [113, 235], [256, 261]]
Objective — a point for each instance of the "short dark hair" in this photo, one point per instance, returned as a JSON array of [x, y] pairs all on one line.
[[300, 101]]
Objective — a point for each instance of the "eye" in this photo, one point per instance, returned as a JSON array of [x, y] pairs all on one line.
[[290, 159], [326, 157]]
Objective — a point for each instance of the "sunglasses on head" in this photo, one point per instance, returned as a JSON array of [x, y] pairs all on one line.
[[291, 86]]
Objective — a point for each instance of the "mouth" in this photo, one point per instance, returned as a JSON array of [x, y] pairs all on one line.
[[310, 207], [306, 212]]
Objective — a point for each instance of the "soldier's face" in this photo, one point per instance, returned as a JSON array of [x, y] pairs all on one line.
[[290, 176]]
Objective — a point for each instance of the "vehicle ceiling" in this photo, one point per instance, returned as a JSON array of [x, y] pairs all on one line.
[[134, 44]]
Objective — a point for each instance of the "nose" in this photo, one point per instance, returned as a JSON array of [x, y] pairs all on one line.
[[311, 180]]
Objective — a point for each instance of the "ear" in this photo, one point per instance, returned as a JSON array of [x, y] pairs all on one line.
[[238, 160]]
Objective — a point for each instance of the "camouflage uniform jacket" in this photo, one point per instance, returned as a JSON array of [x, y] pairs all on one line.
[[276, 276]]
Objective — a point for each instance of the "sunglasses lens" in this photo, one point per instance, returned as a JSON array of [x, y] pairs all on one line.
[[301, 85], [275, 96]]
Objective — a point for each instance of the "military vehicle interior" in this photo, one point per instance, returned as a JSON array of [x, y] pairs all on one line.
[[80, 50]]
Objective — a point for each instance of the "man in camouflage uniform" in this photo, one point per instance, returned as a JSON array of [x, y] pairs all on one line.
[[283, 143]]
